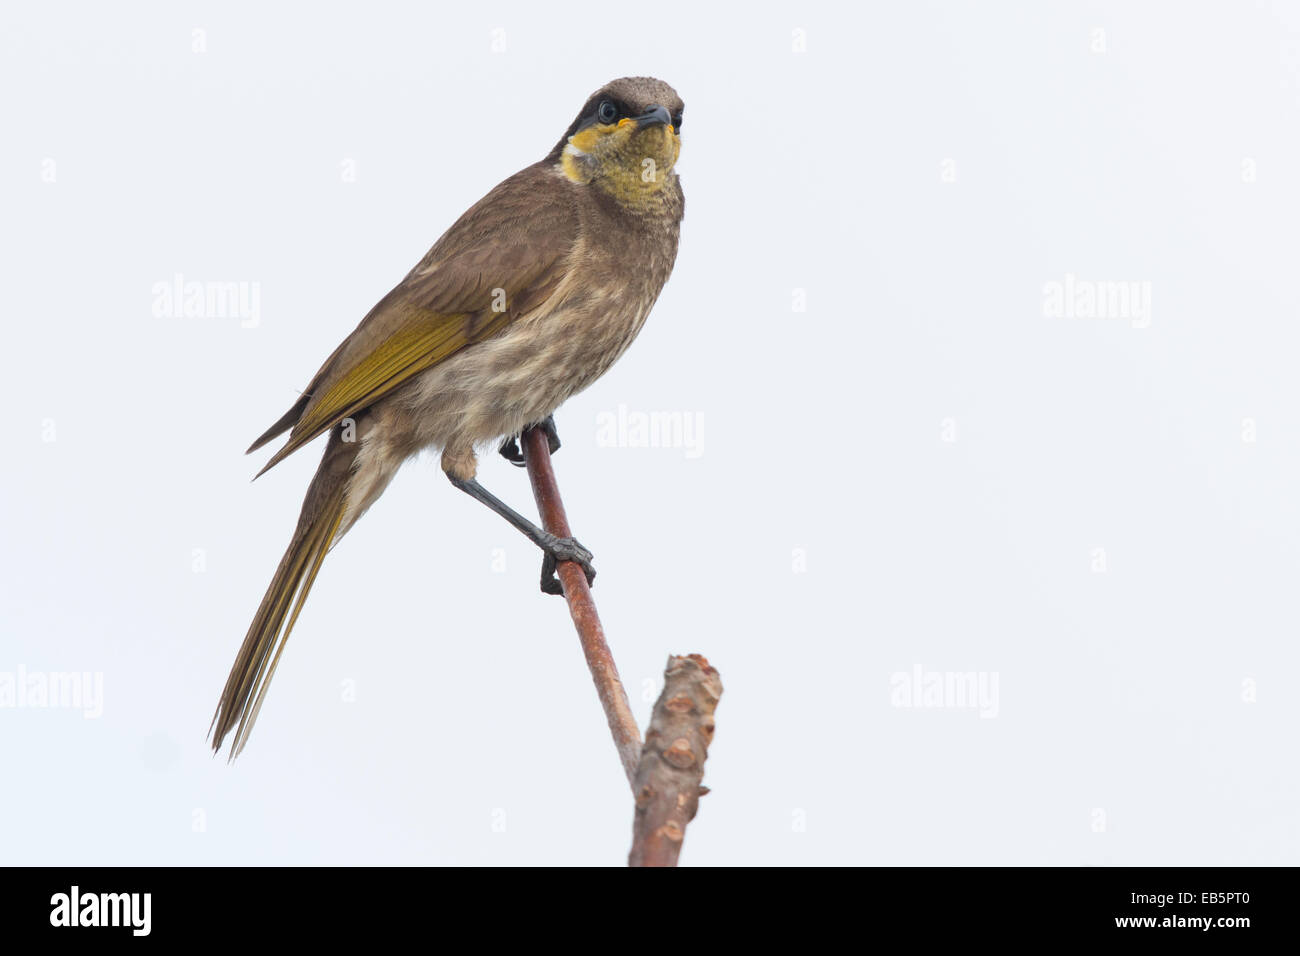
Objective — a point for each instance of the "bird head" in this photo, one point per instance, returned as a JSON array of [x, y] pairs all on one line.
[[625, 140]]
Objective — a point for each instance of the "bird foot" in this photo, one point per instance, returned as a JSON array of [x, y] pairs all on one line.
[[511, 451], [559, 549]]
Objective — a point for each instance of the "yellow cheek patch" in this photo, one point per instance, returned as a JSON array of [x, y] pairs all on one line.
[[585, 139], [575, 170]]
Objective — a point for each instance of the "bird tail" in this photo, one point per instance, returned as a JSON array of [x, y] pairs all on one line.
[[318, 526]]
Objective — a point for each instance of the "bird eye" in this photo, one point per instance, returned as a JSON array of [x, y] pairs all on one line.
[[606, 112], [677, 122]]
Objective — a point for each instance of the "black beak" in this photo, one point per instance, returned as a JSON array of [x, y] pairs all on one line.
[[658, 116]]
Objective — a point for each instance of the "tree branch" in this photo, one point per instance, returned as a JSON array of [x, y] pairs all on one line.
[[613, 698], [665, 775], [667, 783]]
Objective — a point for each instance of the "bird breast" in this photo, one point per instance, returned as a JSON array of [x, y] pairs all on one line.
[[498, 386]]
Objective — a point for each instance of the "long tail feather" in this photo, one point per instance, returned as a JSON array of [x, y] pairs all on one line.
[[322, 514], [285, 422]]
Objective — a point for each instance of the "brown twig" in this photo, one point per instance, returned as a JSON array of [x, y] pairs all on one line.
[[665, 775], [667, 783], [627, 737]]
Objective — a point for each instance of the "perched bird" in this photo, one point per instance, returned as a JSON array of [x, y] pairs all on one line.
[[527, 299]]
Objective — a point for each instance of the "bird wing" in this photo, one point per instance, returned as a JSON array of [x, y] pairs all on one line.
[[506, 255]]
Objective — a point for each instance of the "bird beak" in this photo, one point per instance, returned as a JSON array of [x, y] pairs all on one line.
[[658, 116]]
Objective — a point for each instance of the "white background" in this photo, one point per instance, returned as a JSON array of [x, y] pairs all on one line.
[[827, 538]]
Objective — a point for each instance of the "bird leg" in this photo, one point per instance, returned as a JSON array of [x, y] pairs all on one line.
[[511, 451], [554, 547]]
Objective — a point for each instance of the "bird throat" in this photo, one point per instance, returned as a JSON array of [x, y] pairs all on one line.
[[636, 182]]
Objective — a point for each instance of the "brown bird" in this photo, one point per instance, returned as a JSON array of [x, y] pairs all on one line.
[[527, 299]]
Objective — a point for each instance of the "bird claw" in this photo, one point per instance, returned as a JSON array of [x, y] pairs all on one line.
[[564, 549], [512, 451]]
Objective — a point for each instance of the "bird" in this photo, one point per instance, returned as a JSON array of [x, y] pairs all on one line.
[[530, 296]]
